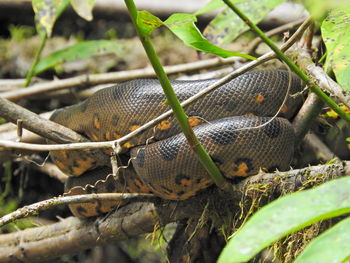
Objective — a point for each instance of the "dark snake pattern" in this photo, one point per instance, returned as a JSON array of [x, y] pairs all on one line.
[[225, 121]]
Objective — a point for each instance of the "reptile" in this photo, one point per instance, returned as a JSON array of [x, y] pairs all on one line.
[[226, 122]]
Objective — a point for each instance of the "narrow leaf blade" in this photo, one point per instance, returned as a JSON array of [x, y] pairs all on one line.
[[331, 246], [214, 4], [182, 25], [78, 51], [287, 215]]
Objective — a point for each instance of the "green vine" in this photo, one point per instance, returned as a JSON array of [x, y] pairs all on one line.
[[173, 101]]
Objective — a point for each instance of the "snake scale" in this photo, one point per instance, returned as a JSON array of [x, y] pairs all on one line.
[[225, 121]]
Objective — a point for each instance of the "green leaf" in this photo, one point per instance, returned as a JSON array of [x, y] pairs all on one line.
[[226, 26], [182, 25], [214, 4], [78, 51], [318, 8], [83, 8], [147, 22], [46, 13], [331, 246], [335, 33], [287, 215], [211, 5]]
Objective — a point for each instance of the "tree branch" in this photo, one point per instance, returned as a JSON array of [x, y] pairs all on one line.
[[65, 200]]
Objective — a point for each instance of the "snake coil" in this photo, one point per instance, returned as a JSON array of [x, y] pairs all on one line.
[[225, 121]]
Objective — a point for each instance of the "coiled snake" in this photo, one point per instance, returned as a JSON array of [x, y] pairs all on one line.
[[225, 121]]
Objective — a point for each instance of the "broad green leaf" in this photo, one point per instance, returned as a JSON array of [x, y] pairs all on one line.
[[211, 5], [83, 8], [285, 216], [226, 26], [78, 51], [214, 4], [46, 13], [318, 8], [331, 246], [182, 25], [147, 22], [335, 33]]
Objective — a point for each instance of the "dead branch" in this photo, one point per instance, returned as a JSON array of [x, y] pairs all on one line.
[[318, 75], [31, 121], [285, 27], [308, 112], [65, 200], [112, 77], [72, 234]]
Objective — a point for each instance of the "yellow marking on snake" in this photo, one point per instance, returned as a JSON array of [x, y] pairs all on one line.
[[194, 121], [128, 145], [96, 122], [134, 127], [108, 135], [78, 169], [116, 135], [241, 169], [284, 109], [186, 182], [144, 188], [260, 98], [164, 125], [94, 137]]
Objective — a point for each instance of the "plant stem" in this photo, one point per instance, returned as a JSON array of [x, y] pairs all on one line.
[[36, 60], [173, 101], [314, 88]]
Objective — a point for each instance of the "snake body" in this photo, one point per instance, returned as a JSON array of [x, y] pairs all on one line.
[[225, 121]]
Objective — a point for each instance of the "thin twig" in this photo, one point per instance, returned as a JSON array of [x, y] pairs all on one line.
[[31, 121], [222, 81], [65, 200], [308, 112], [318, 75], [112, 77], [320, 149], [252, 45], [52, 170]]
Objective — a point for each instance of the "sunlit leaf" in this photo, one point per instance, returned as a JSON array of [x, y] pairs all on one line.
[[331, 246], [147, 22], [335, 32], [83, 8], [285, 216], [47, 12], [318, 8], [182, 25], [214, 4], [78, 51], [226, 26]]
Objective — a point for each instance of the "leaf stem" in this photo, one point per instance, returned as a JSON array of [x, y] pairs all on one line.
[[314, 88], [173, 101], [31, 71]]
